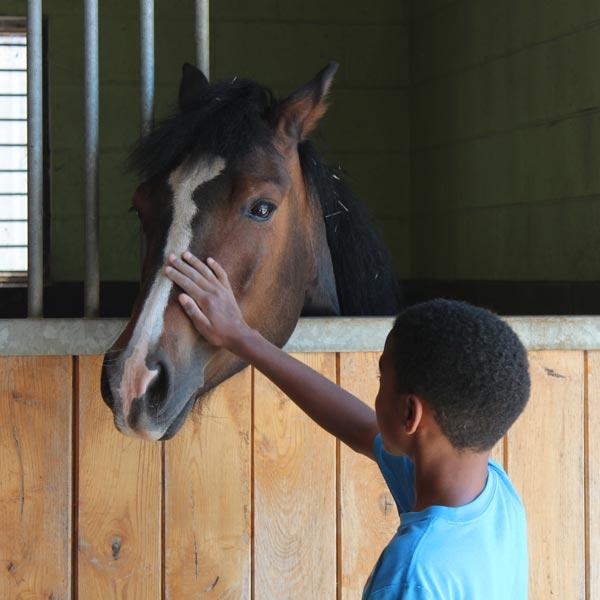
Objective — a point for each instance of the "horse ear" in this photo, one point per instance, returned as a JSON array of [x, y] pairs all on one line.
[[301, 110], [193, 83]]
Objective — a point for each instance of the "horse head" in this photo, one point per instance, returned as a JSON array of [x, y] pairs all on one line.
[[229, 175]]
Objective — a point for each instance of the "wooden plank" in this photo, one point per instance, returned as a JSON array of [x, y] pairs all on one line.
[[35, 476], [207, 497], [368, 514], [119, 502], [546, 464], [295, 495], [593, 474]]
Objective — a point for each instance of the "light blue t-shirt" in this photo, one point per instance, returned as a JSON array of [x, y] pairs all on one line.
[[473, 552]]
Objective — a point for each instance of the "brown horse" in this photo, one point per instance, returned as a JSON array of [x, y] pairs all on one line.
[[231, 176]]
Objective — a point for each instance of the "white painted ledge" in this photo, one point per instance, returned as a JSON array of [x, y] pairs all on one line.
[[19, 337]]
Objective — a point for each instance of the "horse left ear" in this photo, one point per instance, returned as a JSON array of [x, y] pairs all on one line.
[[301, 110], [193, 83]]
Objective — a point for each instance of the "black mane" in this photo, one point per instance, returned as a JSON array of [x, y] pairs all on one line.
[[228, 119], [364, 275]]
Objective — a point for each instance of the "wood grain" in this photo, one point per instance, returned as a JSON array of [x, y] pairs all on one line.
[[593, 473], [208, 504], [35, 476], [295, 495], [119, 502], [546, 458], [368, 514]]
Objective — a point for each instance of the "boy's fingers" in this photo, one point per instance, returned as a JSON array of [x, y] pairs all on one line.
[[218, 270], [199, 265], [199, 319], [198, 278], [186, 284]]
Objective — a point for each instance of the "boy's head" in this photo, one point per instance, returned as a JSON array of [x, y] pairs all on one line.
[[463, 363]]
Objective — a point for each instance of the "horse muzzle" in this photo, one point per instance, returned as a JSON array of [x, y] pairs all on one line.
[[151, 399]]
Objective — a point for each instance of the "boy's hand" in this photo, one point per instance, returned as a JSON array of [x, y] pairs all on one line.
[[209, 301]]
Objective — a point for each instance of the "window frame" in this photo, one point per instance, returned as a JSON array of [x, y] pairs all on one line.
[[18, 24]]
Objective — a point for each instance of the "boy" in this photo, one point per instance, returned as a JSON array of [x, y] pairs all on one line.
[[454, 377]]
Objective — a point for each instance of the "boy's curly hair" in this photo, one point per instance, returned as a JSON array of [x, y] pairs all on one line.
[[467, 364]]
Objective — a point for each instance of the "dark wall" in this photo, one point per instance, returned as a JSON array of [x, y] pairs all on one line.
[[505, 146]]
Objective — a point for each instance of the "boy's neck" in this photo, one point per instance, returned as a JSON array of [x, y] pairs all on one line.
[[446, 477]]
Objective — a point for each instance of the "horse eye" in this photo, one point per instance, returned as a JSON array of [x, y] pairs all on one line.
[[262, 210]]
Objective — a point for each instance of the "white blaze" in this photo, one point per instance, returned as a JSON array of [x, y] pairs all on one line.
[[183, 181]]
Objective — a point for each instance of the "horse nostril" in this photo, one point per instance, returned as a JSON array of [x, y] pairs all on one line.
[[157, 391], [105, 388]]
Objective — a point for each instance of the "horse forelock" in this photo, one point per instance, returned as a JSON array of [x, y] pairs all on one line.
[[227, 119]]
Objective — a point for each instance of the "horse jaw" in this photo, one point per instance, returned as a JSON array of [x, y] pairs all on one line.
[[321, 297]]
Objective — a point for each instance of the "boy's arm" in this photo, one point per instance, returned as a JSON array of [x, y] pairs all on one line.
[[210, 304], [332, 407]]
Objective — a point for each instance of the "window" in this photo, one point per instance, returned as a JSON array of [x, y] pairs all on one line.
[[13, 150]]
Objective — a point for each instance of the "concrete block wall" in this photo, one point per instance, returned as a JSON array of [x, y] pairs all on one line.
[[505, 140], [470, 129], [282, 43]]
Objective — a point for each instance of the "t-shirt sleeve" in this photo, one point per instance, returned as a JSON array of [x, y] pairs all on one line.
[[399, 474]]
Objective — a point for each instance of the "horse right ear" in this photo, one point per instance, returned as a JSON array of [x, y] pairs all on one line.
[[192, 86], [300, 112]]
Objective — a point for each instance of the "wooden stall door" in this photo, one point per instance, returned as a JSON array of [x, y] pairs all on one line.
[[256, 501]]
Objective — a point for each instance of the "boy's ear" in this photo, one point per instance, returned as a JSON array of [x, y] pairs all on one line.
[[192, 86], [414, 414], [301, 110]]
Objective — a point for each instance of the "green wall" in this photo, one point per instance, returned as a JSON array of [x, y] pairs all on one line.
[[505, 146], [469, 128], [280, 43]]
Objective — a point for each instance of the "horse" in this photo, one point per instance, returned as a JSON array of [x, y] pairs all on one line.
[[231, 174]]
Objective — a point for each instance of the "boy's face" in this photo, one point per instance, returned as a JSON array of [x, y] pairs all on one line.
[[390, 405]]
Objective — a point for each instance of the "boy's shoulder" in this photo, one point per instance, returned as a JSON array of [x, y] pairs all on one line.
[[399, 474], [452, 552]]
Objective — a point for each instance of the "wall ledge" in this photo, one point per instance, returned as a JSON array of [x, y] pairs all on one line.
[[23, 337]]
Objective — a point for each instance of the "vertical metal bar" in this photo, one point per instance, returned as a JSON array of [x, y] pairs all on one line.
[[35, 231], [202, 35], [146, 65], [146, 82], [91, 228]]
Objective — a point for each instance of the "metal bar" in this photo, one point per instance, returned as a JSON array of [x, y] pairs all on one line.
[[35, 232], [146, 65], [202, 36], [146, 82], [91, 227]]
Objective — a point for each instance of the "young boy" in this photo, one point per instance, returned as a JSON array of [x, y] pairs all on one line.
[[454, 377]]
